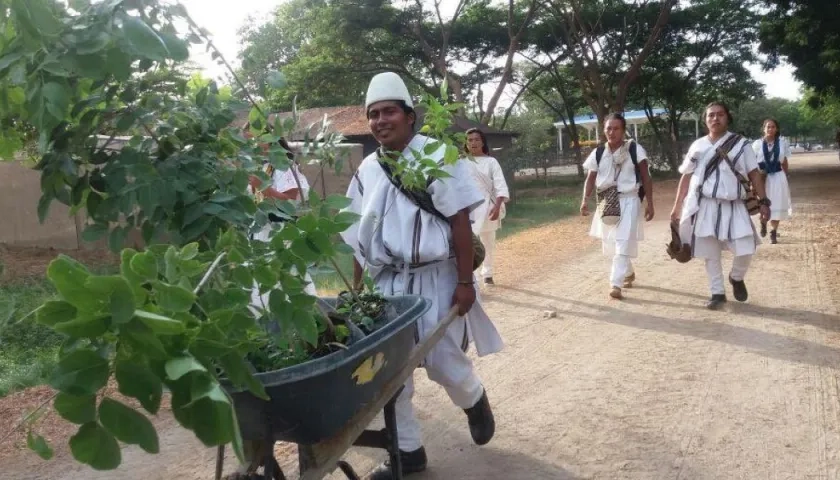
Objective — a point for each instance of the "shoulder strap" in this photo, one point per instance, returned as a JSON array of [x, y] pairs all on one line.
[[720, 154], [421, 198], [599, 152], [633, 154]]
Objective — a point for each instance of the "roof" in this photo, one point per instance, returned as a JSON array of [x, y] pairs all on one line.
[[631, 116], [351, 121]]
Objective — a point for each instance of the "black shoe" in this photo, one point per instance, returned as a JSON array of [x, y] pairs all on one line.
[[763, 229], [412, 462], [489, 281], [773, 237], [716, 302], [481, 421], [739, 290]]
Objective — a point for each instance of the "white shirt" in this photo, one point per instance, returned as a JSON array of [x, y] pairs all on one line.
[[491, 183], [784, 149], [285, 181], [723, 184], [626, 181]]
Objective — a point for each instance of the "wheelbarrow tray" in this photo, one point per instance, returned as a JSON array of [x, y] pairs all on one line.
[[312, 401]]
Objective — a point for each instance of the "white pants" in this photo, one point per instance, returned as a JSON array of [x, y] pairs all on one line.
[[622, 267], [453, 370], [714, 270], [488, 238]]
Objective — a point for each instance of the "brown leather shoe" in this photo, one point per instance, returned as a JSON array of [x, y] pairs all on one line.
[[616, 293]]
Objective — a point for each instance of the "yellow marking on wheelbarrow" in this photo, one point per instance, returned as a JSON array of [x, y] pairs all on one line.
[[366, 372]]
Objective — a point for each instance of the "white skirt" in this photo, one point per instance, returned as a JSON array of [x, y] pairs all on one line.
[[719, 225], [778, 191], [623, 237]]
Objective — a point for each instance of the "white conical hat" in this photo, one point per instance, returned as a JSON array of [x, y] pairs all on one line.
[[387, 86]]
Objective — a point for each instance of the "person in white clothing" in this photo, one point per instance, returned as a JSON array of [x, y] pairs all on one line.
[[773, 152], [409, 250], [283, 187], [623, 165], [490, 179], [710, 203]]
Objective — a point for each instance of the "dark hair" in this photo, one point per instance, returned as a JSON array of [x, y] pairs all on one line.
[[485, 149], [616, 116], [730, 119], [405, 108], [776, 123]]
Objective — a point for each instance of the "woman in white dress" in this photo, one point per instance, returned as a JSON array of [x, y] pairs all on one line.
[[772, 152], [487, 218]]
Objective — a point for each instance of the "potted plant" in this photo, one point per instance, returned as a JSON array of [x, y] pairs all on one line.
[[178, 314]]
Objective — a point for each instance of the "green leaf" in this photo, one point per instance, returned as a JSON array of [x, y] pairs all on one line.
[[304, 323], [69, 277], [138, 381], [173, 298], [170, 262], [178, 49], [58, 101], [80, 372], [265, 276], [237, 371], [37, 444], [86, 325], [54, 312], [143, 339], [95, 232], [178, 367], [78, 409], [94, 446], [9, 59], [189, 251], [119, 292], [128, 425], [337, 202], [159, 324], [44, 207], [145, 265], [144, 39], [344, 249]]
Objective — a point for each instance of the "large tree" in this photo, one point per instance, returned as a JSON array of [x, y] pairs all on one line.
[[332, 47], [701, 58], [606, 42], [805, 32]]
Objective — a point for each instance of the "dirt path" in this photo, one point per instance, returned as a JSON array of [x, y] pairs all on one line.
[[654, 387]]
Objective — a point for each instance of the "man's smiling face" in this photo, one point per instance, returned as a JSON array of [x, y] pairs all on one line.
[[390, 124]]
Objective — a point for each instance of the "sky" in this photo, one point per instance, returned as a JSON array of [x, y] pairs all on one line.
[[222, 21]]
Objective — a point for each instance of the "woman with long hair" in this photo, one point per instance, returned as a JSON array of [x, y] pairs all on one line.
[[487, 218], [773, 152]]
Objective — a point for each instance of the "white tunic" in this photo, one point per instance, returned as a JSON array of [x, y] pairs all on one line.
[[407, 250], [716, 203], [776, 184], [617, 169], [490, 181]]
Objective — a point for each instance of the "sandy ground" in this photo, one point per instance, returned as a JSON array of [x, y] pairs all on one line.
[[653, 387]]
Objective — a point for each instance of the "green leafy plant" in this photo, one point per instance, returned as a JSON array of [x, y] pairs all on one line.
[[140, 146]]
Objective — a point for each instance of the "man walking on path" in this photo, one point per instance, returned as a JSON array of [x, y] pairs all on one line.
[[620, 166], [409, 250], [710, 204]]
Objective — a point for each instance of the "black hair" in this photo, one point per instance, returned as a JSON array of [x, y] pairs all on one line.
[[776, 123], [485, 149], [616, 116], [717, 103], [405, 108]]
